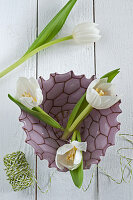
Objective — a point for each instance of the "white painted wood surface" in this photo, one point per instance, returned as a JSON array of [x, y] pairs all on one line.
[[17, 31], [63, 58], [114, 51]]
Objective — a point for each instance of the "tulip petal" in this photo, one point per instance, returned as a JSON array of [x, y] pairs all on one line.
[[22, 85], [29, 86], [28, 102], [97, 82], [106, 86], [86, 33], [93, 97], [58, 162], [78, 157], [65, 148], [81, 146], [108, 102], [34, 83], [39, 96], [62, 162]]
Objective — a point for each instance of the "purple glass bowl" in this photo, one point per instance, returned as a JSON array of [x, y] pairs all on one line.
[[60, 94]]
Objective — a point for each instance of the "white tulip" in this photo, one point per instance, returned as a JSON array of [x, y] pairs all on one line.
[[101, 95], [69, 155], [86, 33], [28, 92]]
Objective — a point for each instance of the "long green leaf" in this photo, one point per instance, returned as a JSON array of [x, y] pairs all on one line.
[[111, 75], [43, 117], [77, 174], [45, 37], [82, 103], [54, 26], [75, 111]]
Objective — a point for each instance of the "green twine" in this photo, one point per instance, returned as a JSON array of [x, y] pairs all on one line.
[[48, 185], [92, 176], [127, 166], [19, 173], [21, 176]]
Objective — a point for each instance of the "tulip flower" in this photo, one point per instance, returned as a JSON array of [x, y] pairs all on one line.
[[86, 33], [28, 97], [28, 92], [69, 155], [101, 95]]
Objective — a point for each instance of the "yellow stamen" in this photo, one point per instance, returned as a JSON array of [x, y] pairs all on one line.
[[71, 154], [100, 92], [27, 94]]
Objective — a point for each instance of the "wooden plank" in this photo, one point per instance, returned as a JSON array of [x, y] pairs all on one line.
[[115, 50], [63, 58], [17, 32]]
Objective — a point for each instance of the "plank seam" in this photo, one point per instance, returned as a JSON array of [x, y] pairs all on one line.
[[95, 71], [36, 78], [94, 20]]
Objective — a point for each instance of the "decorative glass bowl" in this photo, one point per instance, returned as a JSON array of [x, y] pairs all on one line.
[[60, 94]]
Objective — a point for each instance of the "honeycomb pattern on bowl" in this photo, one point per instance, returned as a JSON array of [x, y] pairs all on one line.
[[60, 94]]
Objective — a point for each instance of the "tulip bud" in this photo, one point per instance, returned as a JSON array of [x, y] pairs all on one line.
[[86, 33]]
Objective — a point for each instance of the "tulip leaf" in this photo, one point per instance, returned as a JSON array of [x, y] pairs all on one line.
[[44, 117], [44, 39], [53, 27], [82, 103], [111, 75], [75, 111], [77, 174]]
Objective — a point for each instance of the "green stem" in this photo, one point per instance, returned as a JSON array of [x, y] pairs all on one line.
[[77, 121], [81, 117], [44, 113], [74, 136], [78, 136], [26, 56]]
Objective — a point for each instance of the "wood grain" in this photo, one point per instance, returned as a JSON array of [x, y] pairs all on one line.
[[63, 58], [20, 21], [114, 50], [17, 32]]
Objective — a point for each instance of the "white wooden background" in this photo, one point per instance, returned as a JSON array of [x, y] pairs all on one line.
[[19, 23]]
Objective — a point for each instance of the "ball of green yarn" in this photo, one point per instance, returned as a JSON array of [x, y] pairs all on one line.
[[17, 169]]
